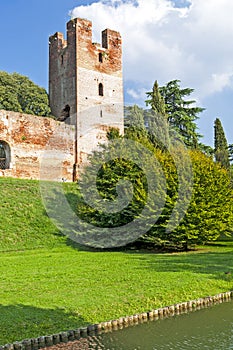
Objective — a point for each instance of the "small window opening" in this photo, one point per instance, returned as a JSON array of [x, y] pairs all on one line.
[[65, 113], [4, 155], [101, 114], [101, 90], [100, 57], [62, 59]]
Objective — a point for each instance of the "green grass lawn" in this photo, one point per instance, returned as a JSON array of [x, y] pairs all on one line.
[[48, 285]]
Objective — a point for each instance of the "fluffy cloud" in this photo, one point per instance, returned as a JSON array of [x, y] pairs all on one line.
[[137, 94], [165, 40]]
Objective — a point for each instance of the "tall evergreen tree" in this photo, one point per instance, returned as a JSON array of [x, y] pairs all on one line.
[[220, 145], [156, 101], [157, 118], [182, 114]]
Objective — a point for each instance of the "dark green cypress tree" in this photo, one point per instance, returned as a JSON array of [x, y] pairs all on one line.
[[221, 151], [157, 119]]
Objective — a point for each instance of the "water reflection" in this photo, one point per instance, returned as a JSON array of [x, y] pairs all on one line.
[[209, 329]]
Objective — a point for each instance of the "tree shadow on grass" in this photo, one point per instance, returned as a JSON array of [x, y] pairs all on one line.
[[64, 214], [218, 265], [206, 262], [18, 322]]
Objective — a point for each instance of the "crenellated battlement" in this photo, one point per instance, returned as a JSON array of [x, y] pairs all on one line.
[[58, 40], [79, 38]]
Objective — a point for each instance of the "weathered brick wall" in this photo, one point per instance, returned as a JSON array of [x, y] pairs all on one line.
[[39, 147], [88, 52]]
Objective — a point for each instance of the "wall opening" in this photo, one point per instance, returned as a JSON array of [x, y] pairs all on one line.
[[100, 57], [101, 89], [5, 155], [65, 113]]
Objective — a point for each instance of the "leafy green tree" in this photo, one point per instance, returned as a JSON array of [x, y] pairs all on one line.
[[210, 212], [8, 95], [221, 151], [18, 93], [182, 114], [207, 150]]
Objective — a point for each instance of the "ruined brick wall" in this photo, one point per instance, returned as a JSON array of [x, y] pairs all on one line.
[[88, 77], [40, 148]]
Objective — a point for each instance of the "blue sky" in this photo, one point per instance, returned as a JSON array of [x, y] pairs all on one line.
[[25, 26], [163, 40]]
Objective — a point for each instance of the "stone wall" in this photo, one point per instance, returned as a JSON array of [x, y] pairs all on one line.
[[40, 148]]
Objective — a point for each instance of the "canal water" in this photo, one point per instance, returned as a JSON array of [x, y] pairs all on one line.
[[206, 329]]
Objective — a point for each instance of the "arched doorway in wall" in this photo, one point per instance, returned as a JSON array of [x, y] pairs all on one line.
[[5, 155]]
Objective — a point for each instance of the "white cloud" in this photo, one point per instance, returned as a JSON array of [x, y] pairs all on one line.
[[137, 94], [163, 42], [219, 81]]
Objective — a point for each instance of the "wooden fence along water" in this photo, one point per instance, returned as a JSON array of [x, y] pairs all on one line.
[[113, 325]]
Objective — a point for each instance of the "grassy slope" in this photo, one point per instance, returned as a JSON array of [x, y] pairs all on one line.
[[48, 285], [23, 220]]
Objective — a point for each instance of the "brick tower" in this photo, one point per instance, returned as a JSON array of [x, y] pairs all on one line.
[[85, 84]]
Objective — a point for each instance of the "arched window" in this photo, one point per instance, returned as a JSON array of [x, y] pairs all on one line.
[[101, 90], [5, 155]]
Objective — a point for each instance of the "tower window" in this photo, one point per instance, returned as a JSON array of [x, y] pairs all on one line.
[[65, 113], [100, 57], [101, 90]]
